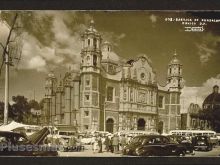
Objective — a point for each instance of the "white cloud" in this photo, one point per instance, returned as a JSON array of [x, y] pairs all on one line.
[[63, 50], [113, 38], [4, 31], [37, 62], [205, 53], [208, 47]]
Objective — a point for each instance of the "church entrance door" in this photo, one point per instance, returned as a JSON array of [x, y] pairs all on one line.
[[110, 125], [141, 124]]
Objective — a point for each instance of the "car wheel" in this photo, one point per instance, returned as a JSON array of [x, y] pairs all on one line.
[[209, 148], [182, 153], [150, 153]]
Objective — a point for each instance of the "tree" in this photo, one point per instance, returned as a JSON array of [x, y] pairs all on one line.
[[10, 113], [20, 109], [35, 114], [34, 104]]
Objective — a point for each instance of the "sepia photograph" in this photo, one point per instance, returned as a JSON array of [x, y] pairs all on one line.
[[106, 83]]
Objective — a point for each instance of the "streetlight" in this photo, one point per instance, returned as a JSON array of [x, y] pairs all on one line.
[[104, 117]]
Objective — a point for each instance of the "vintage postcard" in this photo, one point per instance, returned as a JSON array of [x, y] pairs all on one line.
[[109, 83]]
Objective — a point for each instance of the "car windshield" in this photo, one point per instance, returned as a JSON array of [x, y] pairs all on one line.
[[137, 140], [201, 138]]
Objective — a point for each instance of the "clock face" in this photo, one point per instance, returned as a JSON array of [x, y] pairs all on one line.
[[143, 76]]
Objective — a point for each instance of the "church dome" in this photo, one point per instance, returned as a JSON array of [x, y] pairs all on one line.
[[212, 101], [107, 53], [175, 59], [91, 28]]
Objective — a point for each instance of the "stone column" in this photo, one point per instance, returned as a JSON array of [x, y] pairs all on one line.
[[53, 108], [67, 111], [58, 106]]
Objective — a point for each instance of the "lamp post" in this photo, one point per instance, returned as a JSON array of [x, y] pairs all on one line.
[[6, 86], [104, 117]]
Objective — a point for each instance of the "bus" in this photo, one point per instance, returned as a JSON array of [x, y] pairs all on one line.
[[137, 132], [193, 132]]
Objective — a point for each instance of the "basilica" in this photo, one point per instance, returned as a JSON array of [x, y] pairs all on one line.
[[110, 95]]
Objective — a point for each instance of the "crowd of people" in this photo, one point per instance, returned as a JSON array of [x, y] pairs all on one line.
[[112, 143]]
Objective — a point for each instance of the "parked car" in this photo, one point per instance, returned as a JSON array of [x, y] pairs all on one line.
[[218, 137], [185, 141], [17, 144], [214, 140], [153, 145], [202, 143]]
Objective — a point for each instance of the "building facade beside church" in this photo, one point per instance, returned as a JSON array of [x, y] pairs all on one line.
[[110, 95], [206, 117]]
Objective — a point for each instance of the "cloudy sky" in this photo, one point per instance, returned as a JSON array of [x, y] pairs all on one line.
[[51, 41]]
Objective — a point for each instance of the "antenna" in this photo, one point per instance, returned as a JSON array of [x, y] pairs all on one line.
[[175, 53]]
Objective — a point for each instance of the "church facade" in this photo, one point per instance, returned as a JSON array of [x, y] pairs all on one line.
[[110, 95]]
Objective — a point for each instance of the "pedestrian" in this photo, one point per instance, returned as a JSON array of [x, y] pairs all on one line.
[[72, 143], [115, 143], [94, 143], [123, 142], [107, 143], [100, 143]]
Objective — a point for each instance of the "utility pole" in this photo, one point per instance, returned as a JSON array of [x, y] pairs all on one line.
[[6, 86], [34, 94], [6, 57]]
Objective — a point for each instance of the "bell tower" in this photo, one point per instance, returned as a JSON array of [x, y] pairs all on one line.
[[91, 50], [49, 108], [174, 84], [91, 57], [174, 75]]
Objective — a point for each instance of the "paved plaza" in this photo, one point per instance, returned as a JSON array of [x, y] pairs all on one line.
[[89, 153]]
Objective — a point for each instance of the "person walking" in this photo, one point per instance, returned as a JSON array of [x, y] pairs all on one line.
[[72, 143], [94, 143], [123, 142], [107, 143], [100, 143], [115, 143]]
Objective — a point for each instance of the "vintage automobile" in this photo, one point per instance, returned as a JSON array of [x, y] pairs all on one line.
[[218, 137], [202, 143], [18, 144], [185, 141], [214, 140], [153, 145]]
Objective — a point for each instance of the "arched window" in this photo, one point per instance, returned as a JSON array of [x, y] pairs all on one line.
[[88, 42], [110, 93], [161, 102], [94, 60], [95, 43]]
